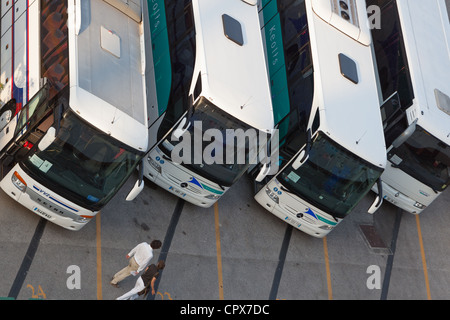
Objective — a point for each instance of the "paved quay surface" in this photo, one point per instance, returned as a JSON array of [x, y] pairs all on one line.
[[235, 250]]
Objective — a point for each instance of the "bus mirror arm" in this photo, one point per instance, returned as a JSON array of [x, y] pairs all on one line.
[[181, 129], [139, 185], [405, 135], [304, 154], [185, 123], [265, 169], [378, 200], [190, 110], [308, 141]]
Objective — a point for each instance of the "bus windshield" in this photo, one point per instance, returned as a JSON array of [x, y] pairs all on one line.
[[219, 169], [425, 158], [83, 164], [332, 179]]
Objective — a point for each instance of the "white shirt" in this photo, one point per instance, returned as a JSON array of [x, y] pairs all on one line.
[[143, 253]]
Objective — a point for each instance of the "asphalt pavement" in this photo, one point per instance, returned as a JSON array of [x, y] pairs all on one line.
[[235, 250]]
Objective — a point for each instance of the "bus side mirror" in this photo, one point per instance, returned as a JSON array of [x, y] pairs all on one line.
[[47, 139], [139, 185], [375, 205], [405, 135], [301, 159], [181, 129], [263, 172], [304, 154], [378, 200]]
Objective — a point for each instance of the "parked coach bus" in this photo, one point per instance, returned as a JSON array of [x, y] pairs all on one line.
[[412, 49], [73, 118], [211, 90], [325, 99]]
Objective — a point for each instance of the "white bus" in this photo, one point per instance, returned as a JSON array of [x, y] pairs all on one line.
[[412, 50], [73, 117], [210, 73], [332, 149]]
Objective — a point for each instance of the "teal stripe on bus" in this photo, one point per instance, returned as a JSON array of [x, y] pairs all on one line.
[[211, 189], [276, 62], [326, 220], [264, 2], [161, 53]]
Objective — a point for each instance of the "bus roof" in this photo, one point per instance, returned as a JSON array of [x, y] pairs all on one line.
[[345, 89], [107, 84], [230, 56], [426, 31]]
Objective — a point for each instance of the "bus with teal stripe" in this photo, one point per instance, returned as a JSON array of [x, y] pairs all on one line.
[[326, 109], [210, 90]]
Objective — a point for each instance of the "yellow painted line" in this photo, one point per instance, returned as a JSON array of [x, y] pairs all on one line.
[[219, 251], [424, 261], [327, 266], [99, 257]]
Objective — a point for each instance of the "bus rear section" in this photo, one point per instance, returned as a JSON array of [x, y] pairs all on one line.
[[413, 62], [325, 100], [212, 91], [75, 74]]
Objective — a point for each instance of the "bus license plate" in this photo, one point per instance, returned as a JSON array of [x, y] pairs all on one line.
[[42, 213], [177, 192]]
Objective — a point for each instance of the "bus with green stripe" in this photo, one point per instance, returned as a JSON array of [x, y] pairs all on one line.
[[326, 109], [208, 66]]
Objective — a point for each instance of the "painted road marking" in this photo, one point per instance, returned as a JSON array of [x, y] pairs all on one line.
[[424, 261], [327, 267], [99, 257], [219, 250]]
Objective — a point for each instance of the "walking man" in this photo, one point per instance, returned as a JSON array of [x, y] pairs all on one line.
[[145, 282], [139, 257]]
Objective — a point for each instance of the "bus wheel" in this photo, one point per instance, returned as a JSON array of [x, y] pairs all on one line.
[[6, 114]]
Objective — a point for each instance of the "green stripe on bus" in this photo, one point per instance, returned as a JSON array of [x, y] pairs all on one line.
[[211, 189], [326, 220], [275, 59], [161, 53]]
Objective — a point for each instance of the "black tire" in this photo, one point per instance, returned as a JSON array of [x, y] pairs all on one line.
[[7, 112]]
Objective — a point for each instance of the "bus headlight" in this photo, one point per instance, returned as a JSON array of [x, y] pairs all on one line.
[[84, 219], [326, 227], [18, 182], [419, 205], [212, 196], [155, 165], [272, 195]]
